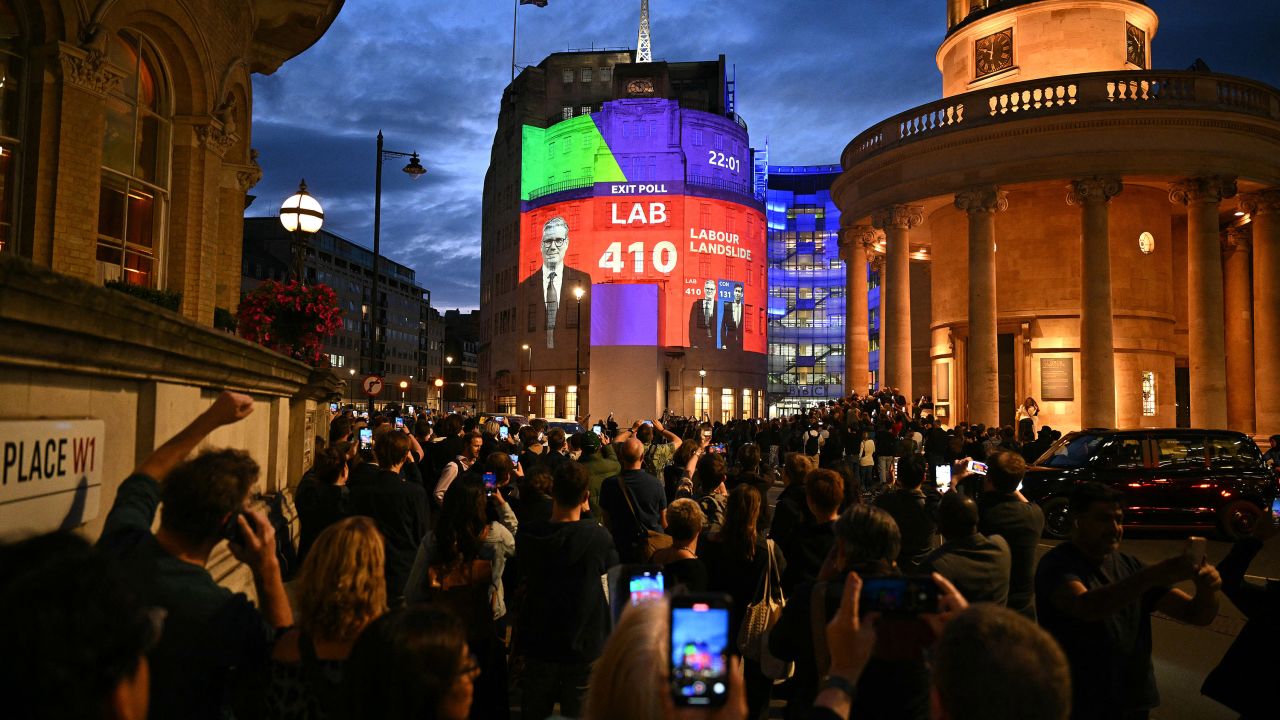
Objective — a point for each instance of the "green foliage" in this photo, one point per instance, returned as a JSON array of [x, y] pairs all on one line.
[[163, 298], [224, 319]]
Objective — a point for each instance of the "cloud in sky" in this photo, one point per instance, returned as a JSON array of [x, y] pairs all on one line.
[[811, 74]]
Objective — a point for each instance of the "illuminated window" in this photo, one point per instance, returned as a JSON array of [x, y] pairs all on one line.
[[746, 403], [566, 113], [585, 75], [726, 404], [11, 85], [571, 402], [585, 110], [567, 76], [605, 74], [700, 398], [507, 404], [549, 402], [136, 142], [1148, 393]]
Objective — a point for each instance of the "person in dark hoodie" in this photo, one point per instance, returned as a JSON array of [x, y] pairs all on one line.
[[565, 616]]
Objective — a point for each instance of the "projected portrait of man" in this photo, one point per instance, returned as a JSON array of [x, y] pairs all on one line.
[[731, 326], [702, 318], [550, 291]]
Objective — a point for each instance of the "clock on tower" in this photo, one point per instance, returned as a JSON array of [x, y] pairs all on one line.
[[993, 53], [1136, 50]]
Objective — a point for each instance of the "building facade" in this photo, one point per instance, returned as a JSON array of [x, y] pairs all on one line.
[[631, 184], [1102, 232], [461, 367], [408, 353], [808, 309]]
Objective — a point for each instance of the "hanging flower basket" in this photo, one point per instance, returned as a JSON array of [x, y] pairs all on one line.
[[291, 318]]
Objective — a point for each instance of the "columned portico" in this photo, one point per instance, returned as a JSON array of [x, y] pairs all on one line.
[[982, 369], [1206, 339], [877, 267], [1097, 334], [895, 294], [1264, 217], [854, 250], [1238, 302]]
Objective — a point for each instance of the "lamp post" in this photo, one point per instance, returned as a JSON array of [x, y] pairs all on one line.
[[528, 364], [578, 292], [415, 170], [439, 383], [301, 213], [531, 390], [702, 387], [404, 385]]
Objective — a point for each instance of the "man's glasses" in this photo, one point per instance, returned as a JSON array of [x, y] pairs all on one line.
[[558, 242]]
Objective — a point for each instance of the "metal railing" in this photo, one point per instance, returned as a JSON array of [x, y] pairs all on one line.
[[570, 184], [1068, 94]]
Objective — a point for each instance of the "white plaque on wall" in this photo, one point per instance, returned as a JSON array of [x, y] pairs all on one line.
[[50, 473]]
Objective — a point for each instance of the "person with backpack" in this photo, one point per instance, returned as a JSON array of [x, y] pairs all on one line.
[[657, 455], [710, 475]]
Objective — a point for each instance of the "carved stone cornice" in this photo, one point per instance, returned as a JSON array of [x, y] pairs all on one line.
[[1263, 202], [859, 238], [215, 137], [1209, 189], [88, 70], [982, 199], [900, 217], [877, 264], [1093, 190], [246, 175], [1238, 239]]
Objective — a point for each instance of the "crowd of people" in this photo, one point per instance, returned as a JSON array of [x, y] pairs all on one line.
[[459, 567]]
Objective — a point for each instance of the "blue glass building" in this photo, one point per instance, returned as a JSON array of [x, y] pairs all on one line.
[[807, 291]]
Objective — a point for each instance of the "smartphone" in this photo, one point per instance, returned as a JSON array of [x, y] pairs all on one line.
[[706, 433], [647, 422], [515, 459], [942, 477], [366, 438], [1275, 508], [718, 448], [977, 468], [333, 407], [598, 429], [699, 662], [1196, 550], [898, 594], [490, 483], [503, 432], [231, 529], [399, 423]]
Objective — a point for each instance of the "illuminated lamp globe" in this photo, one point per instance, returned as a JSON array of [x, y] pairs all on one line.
[[579, 292], [301, 212], [530, 389], [439, 382], [404, 385], [414, 169]]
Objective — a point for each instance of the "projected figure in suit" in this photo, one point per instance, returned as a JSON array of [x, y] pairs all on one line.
[[731, 325], [550, 292], [702, 318]]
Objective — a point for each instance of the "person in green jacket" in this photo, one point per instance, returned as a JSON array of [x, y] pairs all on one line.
[[598, 457]]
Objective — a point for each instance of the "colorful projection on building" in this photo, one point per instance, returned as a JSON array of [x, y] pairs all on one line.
[[643, 193]]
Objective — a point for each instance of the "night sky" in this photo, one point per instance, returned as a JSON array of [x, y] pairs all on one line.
[[430, 73]]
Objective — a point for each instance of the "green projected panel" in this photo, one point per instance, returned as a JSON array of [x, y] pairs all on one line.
[[571, 152]]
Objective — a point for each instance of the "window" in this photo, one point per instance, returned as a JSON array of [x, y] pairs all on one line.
[[605, 74], [746, 403], [700, 404], [585, 75], [566, 113], [1124, 454], [507, 404], [1232, 452], [571, 402], [567, 75], [1180, 452], [133, 201], [549, 402], [533, 317], [11, 85], [726, 405]]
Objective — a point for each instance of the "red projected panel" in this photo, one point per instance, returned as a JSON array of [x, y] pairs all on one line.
[[707, 257]]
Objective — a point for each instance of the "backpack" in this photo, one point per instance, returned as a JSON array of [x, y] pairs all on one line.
[[811, 442], [649, 463], [283, 516]]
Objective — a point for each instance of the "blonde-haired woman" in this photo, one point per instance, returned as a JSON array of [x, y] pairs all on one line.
[[341, 589], [631, 680]]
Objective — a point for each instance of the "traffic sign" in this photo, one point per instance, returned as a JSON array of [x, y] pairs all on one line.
[[372, 385]]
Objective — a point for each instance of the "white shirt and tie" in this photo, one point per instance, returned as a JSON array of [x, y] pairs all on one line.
[[551, 281]]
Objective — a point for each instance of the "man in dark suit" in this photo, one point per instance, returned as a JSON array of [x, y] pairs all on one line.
[[550, 293], [703, 317], [731, 324]]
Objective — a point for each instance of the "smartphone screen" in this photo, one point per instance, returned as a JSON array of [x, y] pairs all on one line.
[[699, 650], [901, 594], [333, 407], [977, 468], [1275, 508], [503, 432], [644, 585], [598, 429], [515, 459], [366, 438], [490, 482], [399, 423], [942, 477]]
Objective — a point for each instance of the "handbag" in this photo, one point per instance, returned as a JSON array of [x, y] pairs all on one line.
[[647, 541], [761, 616]]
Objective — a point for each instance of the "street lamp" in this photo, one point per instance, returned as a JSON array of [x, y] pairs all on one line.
[[531, 390], [301, 213], [578, 292], [702, 388], [415, 170], [528, 363], [404, 385]]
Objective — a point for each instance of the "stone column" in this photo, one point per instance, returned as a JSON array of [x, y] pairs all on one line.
[[982, 370], [877, 267], [895, 294], [854, 244], [1264, 217], [1097, 334], [1238, 303], [1206, 340]]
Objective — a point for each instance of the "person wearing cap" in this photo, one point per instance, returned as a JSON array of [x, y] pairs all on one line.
[[598, 458]]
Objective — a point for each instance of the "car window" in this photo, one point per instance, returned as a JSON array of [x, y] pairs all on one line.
[[1180, 452], [1232, 452], [1074, 450], [1124, 454]]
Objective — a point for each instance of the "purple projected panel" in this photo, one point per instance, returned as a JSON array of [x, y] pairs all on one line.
[[614, 316]]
